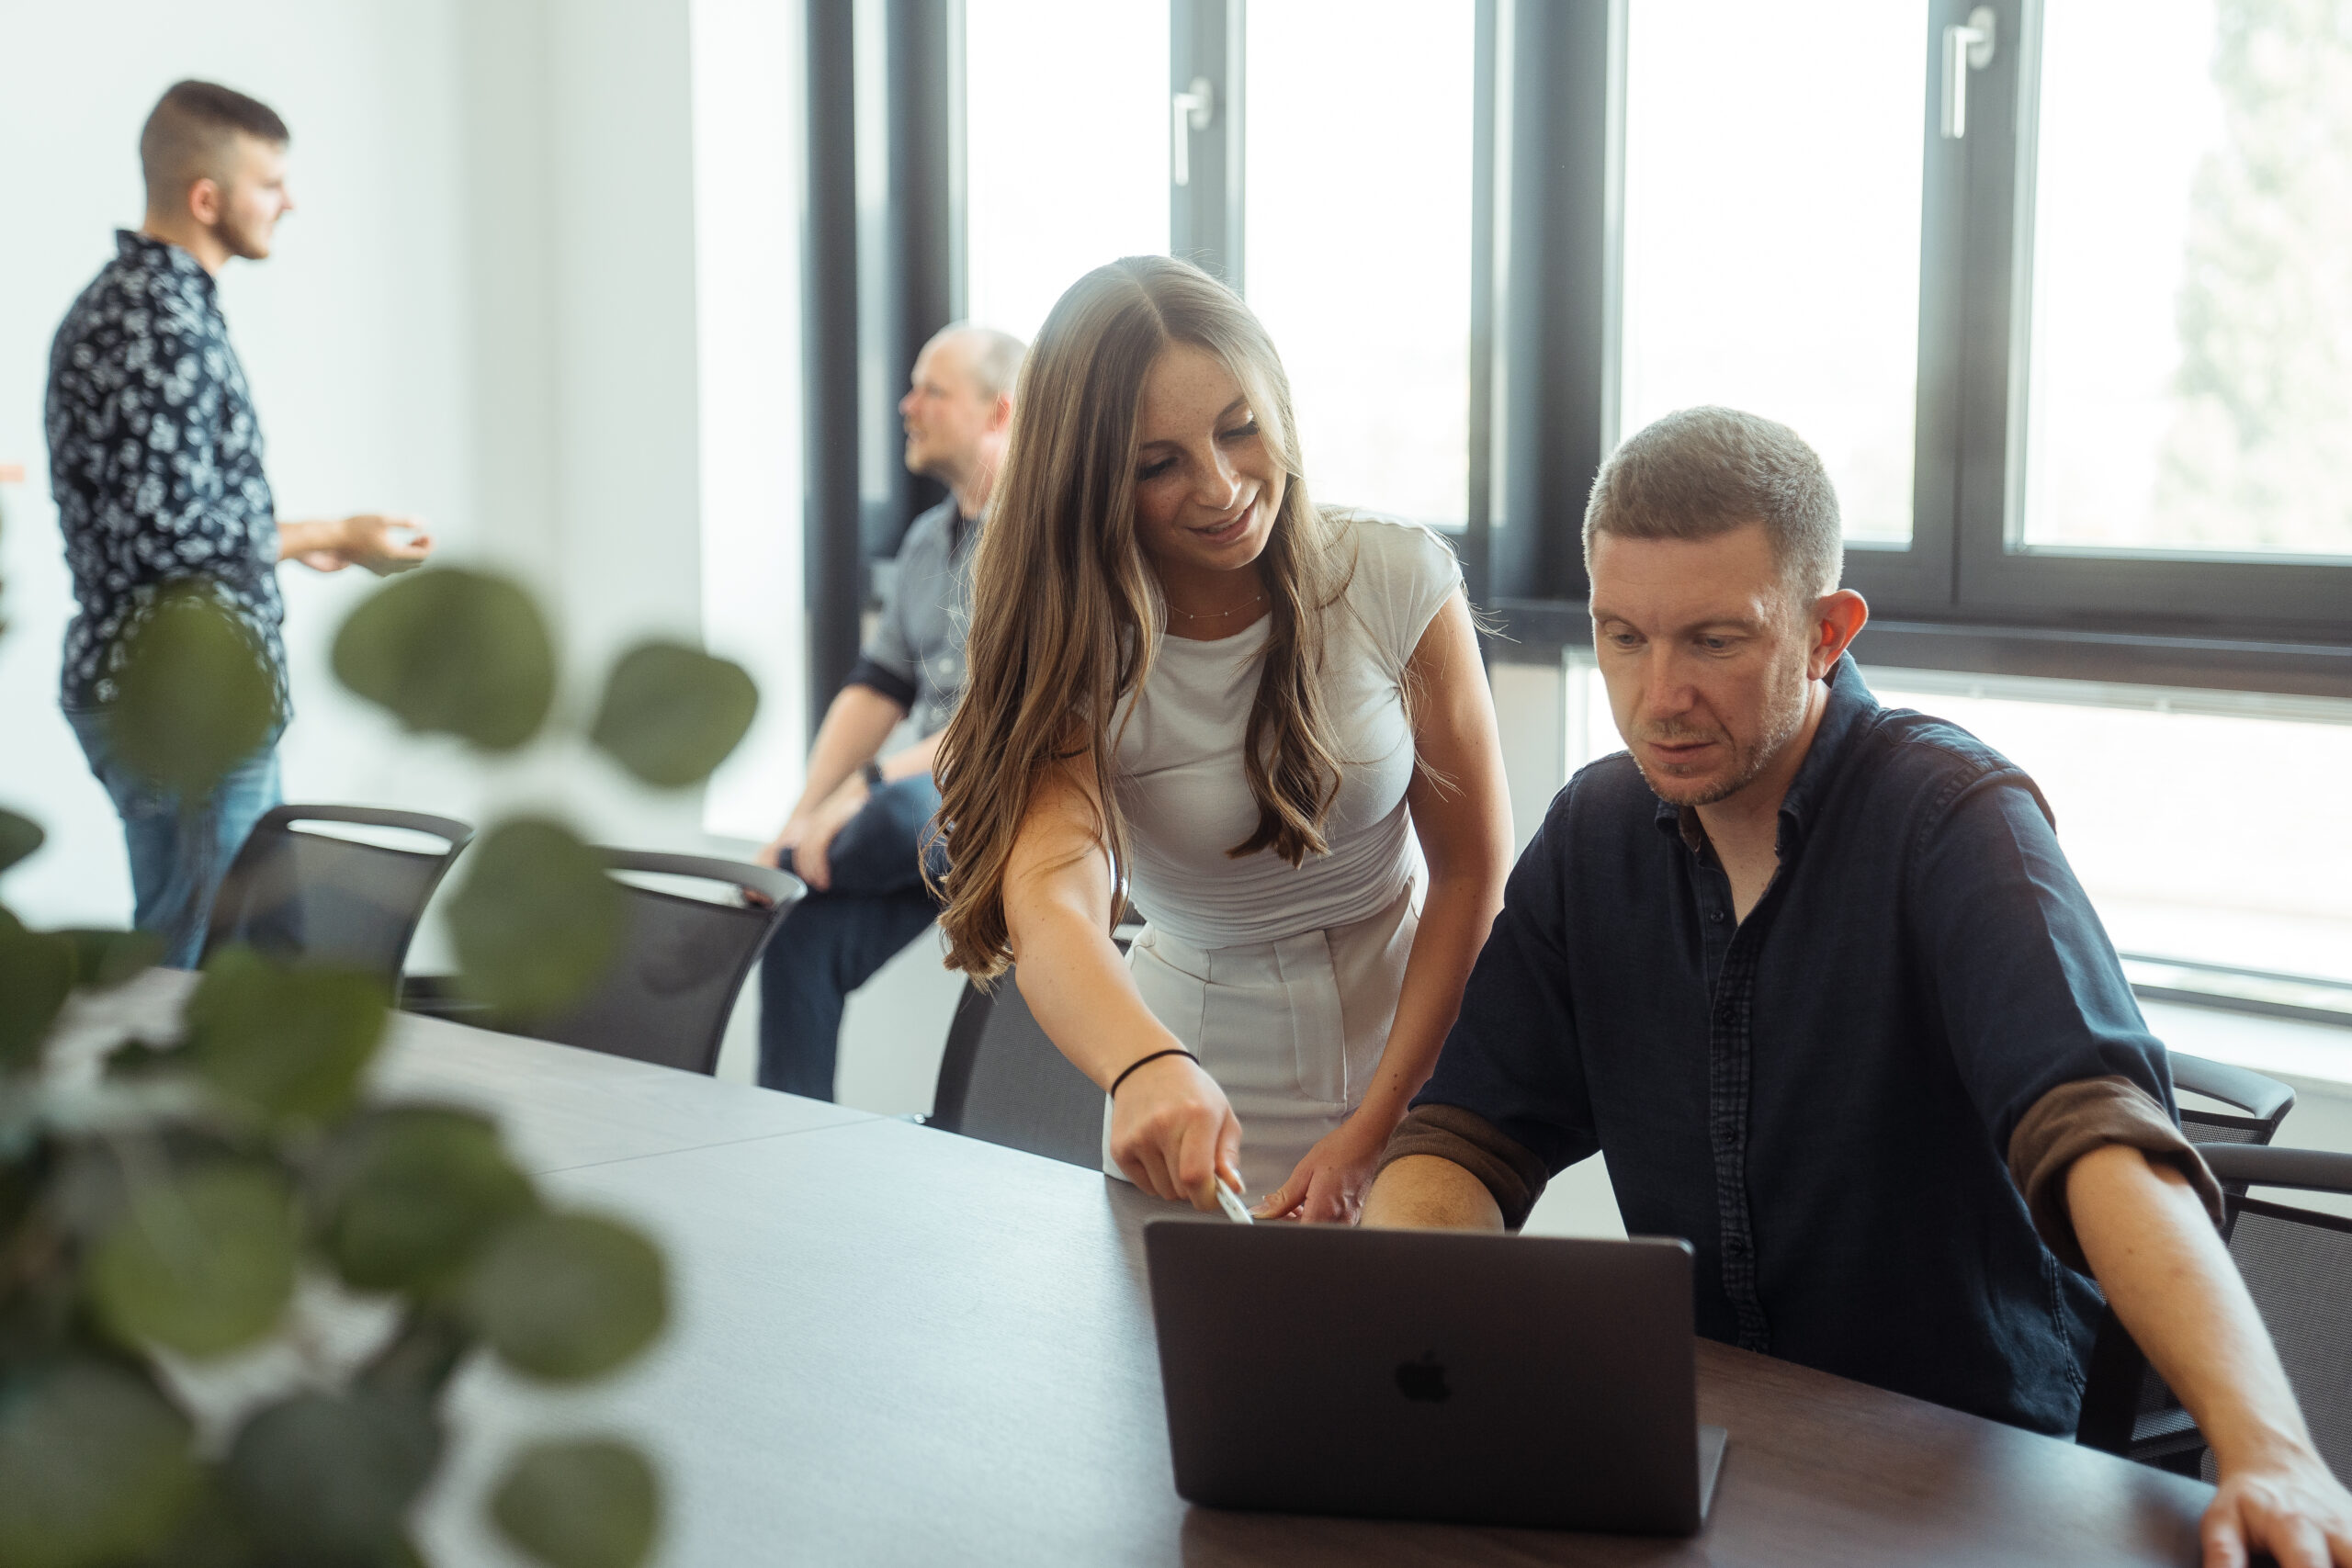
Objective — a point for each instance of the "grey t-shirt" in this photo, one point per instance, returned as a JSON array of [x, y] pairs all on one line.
[[915, 655]]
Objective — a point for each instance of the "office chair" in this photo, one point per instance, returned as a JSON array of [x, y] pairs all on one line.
[[1002, 1081], [316, 898], [672, 987], [2127, 1409]]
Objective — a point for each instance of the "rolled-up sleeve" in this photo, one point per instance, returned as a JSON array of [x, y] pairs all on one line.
[[2069, 1123], [1513, 1061], [886, 663]]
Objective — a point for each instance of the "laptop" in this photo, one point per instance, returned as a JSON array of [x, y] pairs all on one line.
[[1477, 1379]]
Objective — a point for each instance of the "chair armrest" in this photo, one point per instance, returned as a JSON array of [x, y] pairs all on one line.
[[2262, 1165], [779, 887], [2263, 1098], [455, 834]]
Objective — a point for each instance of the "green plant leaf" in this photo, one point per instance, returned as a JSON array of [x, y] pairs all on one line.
[[194, 695], [201, 1262], [671, 714], [105, 959], [94, 1465], [291, 1044], [211, 1532], [329, 1478], [452, 651], [536, 920], [593, 1503], [421, 1357], [412, 1193], [20, 836], [569, 1296], [36, 977]]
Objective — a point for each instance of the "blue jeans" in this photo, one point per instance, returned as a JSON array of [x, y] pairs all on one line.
[[832, 941], [180, 848]]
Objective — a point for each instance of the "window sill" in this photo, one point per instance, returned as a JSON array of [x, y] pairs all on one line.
[[1536, 632]]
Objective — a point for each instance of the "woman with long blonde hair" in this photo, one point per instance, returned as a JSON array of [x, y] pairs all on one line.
[[1188, 683]]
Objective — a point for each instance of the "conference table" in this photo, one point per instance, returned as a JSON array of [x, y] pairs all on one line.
[[892, 1344]]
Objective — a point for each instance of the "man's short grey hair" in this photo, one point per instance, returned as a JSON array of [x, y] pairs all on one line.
[[996, 356], [1703, 472]]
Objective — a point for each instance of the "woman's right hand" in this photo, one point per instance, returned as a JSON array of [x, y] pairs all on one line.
[[1173, 1132]]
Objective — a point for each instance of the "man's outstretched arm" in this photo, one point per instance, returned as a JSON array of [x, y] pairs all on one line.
[[2155, 1252]]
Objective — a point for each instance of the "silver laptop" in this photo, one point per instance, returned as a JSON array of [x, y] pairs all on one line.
[[1487, 1380]]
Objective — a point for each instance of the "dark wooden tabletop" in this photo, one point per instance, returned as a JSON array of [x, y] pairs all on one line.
[[896, 1345]]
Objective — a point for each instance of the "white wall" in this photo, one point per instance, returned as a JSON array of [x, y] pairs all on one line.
[[483, 313]]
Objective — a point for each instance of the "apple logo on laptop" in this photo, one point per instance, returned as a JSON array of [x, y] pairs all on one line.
[[1424, 1379]]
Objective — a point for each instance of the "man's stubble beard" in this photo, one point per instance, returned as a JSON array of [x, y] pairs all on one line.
[[1784, 715]]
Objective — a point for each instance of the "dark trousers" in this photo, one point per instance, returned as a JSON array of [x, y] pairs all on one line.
[[832, 941]]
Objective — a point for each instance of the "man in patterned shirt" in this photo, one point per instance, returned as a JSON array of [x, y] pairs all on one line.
[[155, 461]]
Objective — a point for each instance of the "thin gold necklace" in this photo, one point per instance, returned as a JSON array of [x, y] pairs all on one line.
[[1216, 614]]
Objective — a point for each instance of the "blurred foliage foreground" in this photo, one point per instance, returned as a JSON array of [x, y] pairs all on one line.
[[234, 1290]]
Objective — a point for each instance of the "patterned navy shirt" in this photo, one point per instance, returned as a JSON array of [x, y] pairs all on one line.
[[154, 458]]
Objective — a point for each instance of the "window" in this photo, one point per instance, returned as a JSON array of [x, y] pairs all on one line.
[[2194, 874], [2069, 329], [1349, 203], [1065, 148], [2182, 856], [1356, 240], [1772, 231], [2190, 331]]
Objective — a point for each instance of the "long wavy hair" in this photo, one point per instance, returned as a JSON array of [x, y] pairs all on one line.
[[1067, 612]]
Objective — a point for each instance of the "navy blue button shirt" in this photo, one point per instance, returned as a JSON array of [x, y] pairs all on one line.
[[1820, 1098]]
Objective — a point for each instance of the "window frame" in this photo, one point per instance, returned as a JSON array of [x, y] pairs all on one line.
[[2281, 599], [1964, 595]]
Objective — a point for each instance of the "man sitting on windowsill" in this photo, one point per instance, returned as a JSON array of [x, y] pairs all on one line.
[[1817, 978]]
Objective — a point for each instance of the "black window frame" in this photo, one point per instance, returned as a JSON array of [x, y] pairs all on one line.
[[1965, 594], [1547, 180]]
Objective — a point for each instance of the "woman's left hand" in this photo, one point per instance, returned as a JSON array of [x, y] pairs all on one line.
[[1330, 1182]]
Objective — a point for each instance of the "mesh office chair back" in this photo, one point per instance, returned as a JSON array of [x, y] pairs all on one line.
[[1001, 1080], [672, 987], [307, 898]]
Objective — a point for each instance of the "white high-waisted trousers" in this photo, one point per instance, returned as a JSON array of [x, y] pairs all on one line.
[[1289, 1030]]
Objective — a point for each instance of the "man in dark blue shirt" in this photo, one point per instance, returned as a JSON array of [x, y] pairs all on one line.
[[1815, 975], [155, 460]]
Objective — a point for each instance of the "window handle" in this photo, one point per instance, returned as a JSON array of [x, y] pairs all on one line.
[[1190, 111], [1966, 47]]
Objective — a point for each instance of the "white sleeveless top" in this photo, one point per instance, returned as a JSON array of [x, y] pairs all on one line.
[[1187, 801]]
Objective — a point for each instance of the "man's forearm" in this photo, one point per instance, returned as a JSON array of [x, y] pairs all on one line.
[[308, 538], [855, 726], [1426, 1192], [915, 759], [2170, 1279]]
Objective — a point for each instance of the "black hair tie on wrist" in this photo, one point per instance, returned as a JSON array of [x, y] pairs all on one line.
[[1139, 1061]]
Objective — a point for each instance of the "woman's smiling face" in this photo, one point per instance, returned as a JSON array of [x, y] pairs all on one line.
[[1207, 482]]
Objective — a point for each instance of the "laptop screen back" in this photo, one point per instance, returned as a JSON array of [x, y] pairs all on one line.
[[1431, 1375]]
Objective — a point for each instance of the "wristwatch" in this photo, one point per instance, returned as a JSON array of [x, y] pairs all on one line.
[[873, 771]]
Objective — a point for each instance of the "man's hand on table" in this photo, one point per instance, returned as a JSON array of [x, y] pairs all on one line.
[[2287, 1505]]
